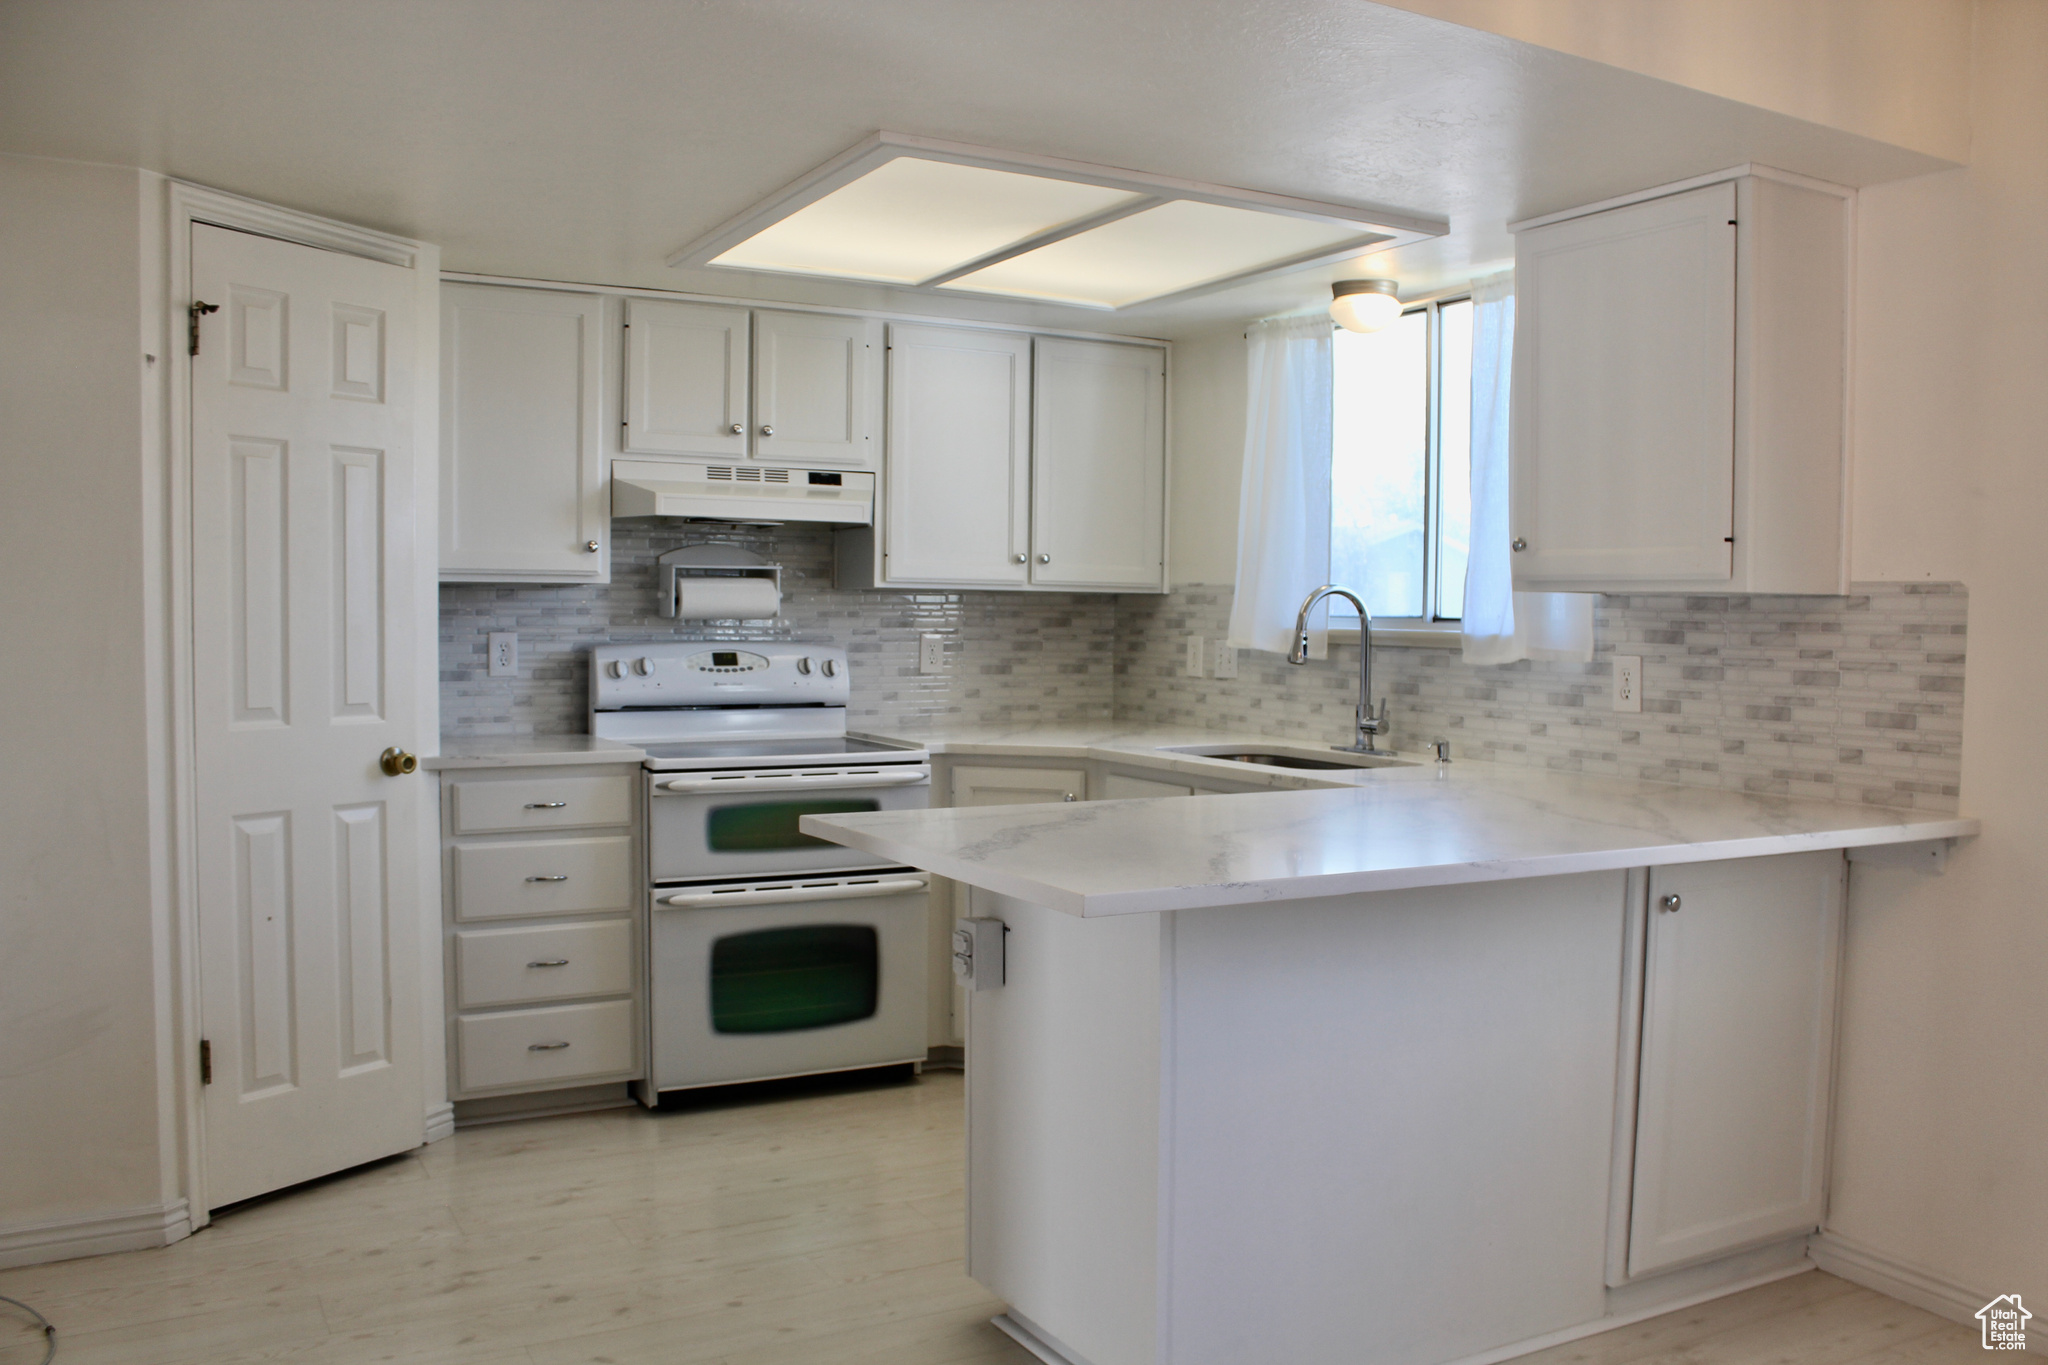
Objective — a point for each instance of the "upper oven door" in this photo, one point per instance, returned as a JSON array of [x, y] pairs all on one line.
[[703, 825]]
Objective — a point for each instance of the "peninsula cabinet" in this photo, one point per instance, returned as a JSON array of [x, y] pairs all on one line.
[[1018, 462], [1678, 391], [718, 383], [522, 463]]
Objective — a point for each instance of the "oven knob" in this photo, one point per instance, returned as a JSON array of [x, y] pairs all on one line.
[[831, 668], [617, 668], [803, 665], [643, 666]]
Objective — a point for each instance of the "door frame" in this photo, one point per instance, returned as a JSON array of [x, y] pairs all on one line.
[[181, 1111]]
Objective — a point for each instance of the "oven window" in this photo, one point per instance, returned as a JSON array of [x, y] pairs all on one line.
[[802, 977], [762, 826]]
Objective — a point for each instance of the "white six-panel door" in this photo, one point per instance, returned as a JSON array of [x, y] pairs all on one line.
[[304, 619]]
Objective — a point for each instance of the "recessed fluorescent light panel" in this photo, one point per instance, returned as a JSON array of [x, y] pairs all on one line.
[[922, 214]]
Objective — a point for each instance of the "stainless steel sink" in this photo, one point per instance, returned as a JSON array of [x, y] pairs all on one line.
[[1291, 756]]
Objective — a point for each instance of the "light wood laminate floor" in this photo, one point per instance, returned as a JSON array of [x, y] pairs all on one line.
[[822, 1227]]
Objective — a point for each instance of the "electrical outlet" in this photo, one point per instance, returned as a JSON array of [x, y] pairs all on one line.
[[1226, 660], [1628, 682], [1191, 666], [504, 654], [931, 654]]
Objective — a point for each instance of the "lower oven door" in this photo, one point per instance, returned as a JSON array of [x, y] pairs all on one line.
[[784, 978], [713, 825]]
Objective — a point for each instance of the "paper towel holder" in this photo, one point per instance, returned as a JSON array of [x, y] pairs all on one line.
[[708, 560]]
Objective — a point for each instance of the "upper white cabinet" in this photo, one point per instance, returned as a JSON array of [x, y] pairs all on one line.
[[1737, 1045], [1679, 373], [522, 466], [730, 384], [1098, 471], [957, 494]]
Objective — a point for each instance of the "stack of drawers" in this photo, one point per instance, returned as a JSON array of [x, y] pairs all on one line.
[[543, 926]]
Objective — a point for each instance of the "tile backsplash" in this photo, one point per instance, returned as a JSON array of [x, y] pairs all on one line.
[[1009, 656], [1856, 698]]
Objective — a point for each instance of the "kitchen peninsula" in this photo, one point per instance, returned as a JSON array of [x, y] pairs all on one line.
[[1445, 1065]]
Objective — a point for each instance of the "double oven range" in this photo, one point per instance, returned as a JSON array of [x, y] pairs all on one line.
[[770, 953]]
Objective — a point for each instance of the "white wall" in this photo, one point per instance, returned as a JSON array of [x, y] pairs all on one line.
[[1207, 455], [79, 1113]]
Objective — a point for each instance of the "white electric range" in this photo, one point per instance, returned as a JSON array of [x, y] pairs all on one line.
[[770, 953]]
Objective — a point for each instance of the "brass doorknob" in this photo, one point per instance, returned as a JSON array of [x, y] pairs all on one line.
[[397, 762]]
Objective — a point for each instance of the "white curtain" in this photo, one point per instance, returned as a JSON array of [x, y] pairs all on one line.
[[1283, 535], [1500, 624]]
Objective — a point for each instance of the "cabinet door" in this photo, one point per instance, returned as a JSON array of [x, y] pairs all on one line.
[[1624, 394], [1098, 471], [522, 470], [958, 486], [989, 786], [686, 379], [1738, 1036], [1124, 787], [817, 389]]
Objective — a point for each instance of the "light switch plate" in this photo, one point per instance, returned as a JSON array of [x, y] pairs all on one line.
[[1191, 666], [931, 654], [504, 654], [1628, 682], [1226, 660]]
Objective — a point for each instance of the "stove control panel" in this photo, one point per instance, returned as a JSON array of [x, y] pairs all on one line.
[[706, 673]]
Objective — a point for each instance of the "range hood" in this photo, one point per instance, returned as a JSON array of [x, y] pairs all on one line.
[[742, 492]]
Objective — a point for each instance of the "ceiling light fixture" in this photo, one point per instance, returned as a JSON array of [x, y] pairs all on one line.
[[1364, 305], [922, 214]]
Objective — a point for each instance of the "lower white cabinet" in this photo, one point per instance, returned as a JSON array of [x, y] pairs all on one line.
[[1738, 1009], [1125, 787], [542, 929], [976, 785]]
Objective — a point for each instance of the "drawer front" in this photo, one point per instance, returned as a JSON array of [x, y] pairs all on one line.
[[542, 803], [554, 962], [526, 1047], [528, 877]]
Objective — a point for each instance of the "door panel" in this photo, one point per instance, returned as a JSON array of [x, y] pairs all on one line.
[[1098, 473], [988, 786], [1624, 393], [959, 485], [686, 379], [304, 621], [817, 389]]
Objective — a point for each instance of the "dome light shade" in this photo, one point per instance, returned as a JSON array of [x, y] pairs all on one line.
[[1364, 305]]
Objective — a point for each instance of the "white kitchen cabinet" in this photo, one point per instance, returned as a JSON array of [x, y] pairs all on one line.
[[977, 785], [1738, 1011], [1098, 465], [716, 383], [957, 492], [1679, 379], [522, 465], [1116, 786]]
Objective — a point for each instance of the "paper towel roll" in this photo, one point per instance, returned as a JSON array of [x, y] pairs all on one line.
[[726, 599]]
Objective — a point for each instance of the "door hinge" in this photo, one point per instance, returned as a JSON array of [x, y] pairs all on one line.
[[205, 1061], [197, 311]]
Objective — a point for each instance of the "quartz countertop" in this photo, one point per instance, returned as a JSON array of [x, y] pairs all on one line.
[[529, 751], [1386, 829]]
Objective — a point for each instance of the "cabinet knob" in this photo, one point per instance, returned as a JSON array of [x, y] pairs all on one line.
[[1068, 797], [738, 429], [767, 430], [1020, 558], [1670, 902], [397, 762], [591, 546], [1045, 559], [1518, 545]]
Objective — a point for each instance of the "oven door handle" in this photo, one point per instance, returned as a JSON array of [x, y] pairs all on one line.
[[790, 895], [686, 785]]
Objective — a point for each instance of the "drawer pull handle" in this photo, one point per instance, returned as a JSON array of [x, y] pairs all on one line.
[[550, 962], [545, 1047], [551, 877], [546, 805]]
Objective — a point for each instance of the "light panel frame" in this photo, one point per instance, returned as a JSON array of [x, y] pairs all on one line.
[[1378, 229]]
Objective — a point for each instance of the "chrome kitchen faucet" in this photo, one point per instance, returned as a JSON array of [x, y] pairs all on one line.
[[1368, 723]]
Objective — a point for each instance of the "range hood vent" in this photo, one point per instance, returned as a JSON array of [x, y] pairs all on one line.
[[718, 492]]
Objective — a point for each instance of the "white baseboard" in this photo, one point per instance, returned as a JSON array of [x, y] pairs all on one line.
[[94, 1234], [440, 1121], [1873, 1269]]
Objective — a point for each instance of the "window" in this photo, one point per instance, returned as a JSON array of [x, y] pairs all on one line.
[[1401, 467]]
